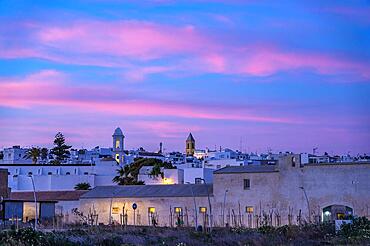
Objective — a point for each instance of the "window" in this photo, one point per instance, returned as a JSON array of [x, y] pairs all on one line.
[[198, 180], [218, 166], [203, 210], [29, 173], [50, 173], [68, 173], [178, 210], [293, 161], [249, 209], [86, 173], [117, 144], [247, 184]]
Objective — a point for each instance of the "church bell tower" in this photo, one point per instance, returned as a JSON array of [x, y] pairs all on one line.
[[118, 147], [190, 145]]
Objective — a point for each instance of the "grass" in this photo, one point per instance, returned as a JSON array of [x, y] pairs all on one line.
[[356, 234]]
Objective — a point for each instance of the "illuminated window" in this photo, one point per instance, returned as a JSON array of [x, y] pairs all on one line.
[[117, 144], [178, 210], [249, 209], [247, 184], [151, 210], [115, 210], [117, 157], [203, 210]]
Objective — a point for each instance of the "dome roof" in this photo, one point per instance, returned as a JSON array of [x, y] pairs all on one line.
[[118, 132]]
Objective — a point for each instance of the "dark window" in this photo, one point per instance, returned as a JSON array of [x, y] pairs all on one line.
[[86, 173], [293, 161], [68, 173], [247, 184], [198, 180], [50, 173], [30, 173]]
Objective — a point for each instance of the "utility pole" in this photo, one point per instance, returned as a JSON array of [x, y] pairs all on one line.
[[210, 207], [34, 197], [195, 206]]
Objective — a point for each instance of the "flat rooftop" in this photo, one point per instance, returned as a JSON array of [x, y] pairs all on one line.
[[248, 169]]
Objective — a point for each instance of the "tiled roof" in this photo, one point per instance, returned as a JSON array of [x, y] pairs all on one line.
[[176, 190], [72, 195], [248, 169]]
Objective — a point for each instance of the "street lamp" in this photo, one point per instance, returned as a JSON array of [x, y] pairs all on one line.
[[110, 207], [210, 206], [223, 208], [195, 206], [308, 203], [34, 197]]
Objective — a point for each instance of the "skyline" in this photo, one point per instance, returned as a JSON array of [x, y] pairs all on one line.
[[286, 77]]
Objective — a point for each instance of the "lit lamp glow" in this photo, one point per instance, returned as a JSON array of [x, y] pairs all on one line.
[[168, 181], [152, 210], [178, 210], [203, 210]]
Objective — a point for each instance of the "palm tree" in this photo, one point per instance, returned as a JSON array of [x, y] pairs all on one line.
[[83, 186], [127, 176], [33, 153]]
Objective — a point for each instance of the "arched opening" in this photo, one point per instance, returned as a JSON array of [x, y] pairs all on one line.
[[336, 212]]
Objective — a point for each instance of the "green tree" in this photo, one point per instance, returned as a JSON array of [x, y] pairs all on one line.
[[60, 150], [44, 153], [83, 186], [33, 153]]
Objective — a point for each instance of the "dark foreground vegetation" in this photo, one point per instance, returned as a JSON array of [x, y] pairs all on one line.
[[356, 234]]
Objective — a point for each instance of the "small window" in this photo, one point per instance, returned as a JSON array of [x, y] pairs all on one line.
[[198, 180], [29, 173], [50, 173], [293, 161], [86, 173], [202, 210], [249, 209], [68, 173], [247, 184]]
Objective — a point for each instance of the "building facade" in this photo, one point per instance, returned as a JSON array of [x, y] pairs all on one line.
[[250, 196]]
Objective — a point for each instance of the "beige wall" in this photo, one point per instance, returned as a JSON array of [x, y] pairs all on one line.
[[280, 192], [162, 207]]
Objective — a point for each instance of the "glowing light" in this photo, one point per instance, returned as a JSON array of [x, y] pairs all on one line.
[[178, 210], [151, 210], [249, 209], [117, 144], [168, 181], [202, 210], [327, 213]]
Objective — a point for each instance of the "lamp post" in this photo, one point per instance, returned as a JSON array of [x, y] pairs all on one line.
[[308, 203], [210, 207], [195, 206], [34, 197], [223, 208], [110, 207]]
